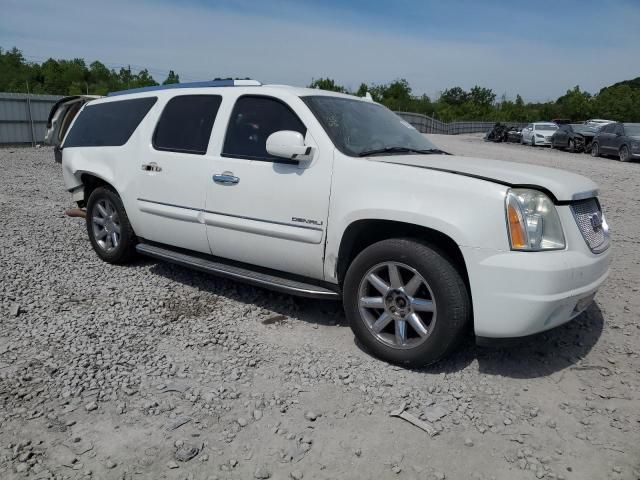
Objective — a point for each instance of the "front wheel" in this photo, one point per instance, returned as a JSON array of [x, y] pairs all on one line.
[[533, 140], [595, 150], [108, 226], [406, 302]]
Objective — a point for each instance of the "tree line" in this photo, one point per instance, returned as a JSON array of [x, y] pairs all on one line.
[[69, 77], [620, 101]]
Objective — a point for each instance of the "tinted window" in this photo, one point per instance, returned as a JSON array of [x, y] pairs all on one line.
[[619, 130], [108, 124], [252, 121], [186, 122], [608, 128]]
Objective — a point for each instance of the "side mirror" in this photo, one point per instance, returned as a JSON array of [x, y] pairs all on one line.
[[288, 144]]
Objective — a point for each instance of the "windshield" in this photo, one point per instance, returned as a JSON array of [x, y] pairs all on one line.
[[357, 127], [582, 128], [547, 127], [632, 129]]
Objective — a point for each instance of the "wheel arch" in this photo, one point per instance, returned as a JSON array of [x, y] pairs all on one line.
[[90, 181], [365, 232]]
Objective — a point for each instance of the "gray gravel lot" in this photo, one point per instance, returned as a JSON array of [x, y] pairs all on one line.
[[154, 371]]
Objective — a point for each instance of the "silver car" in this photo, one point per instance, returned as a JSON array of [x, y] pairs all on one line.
[[539, 133]]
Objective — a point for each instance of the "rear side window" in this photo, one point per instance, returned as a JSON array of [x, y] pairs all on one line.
[[185, 124], [253, 119], [108, 124]]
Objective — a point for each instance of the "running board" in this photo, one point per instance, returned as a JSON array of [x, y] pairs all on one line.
[[233, 272]]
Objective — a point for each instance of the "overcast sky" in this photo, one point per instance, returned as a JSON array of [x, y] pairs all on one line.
[[538, 49]]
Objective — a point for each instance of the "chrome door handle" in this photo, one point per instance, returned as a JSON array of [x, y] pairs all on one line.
[[151, 167], [226, 178]]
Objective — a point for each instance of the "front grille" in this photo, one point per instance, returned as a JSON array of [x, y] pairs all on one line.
[[591, 223]]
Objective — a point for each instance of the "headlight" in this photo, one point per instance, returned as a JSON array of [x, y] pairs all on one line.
[[532, 221]]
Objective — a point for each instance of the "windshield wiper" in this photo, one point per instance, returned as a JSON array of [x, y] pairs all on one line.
[[379, 151]]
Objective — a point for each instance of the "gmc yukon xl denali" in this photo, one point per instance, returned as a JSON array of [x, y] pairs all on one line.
[[327, 195]]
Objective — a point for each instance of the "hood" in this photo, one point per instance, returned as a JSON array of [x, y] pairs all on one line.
[[562, 185]]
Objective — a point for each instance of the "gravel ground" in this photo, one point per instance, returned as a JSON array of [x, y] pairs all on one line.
[[154, 371]]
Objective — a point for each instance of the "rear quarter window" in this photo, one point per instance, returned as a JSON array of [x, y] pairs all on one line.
[[108, 124], [185, 124]]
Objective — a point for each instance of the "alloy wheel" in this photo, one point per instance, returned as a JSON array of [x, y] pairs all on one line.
[[397, 305], [106, 225]]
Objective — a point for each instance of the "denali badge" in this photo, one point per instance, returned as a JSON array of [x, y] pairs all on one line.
[[596, 221], [306, 220]]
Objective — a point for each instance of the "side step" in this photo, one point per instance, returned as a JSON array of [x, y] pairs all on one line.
[[265, 280]]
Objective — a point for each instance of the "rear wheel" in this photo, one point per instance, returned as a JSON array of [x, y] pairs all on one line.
[[406, 302], [595, 149], [624, 153], [108, 226]]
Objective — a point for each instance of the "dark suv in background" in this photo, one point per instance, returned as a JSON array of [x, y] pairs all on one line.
[[618, 139]]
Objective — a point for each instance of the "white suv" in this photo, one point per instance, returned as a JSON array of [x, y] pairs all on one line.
[[328, 195]]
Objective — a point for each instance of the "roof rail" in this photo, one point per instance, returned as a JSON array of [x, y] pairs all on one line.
[[217, 82]]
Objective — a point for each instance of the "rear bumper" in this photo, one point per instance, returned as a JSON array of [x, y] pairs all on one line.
[[516, 294]]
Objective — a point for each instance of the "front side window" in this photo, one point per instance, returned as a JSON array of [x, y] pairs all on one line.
[[253, 119], [185, 124], [108, 124], [358, 128]]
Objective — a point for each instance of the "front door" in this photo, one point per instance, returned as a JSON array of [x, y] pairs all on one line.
[[172, 173], [263, 210]]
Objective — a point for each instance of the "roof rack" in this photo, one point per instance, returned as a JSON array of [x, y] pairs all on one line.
[[217, 82]]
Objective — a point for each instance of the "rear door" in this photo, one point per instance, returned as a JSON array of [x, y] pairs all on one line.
[[60, 117], [173, 170]]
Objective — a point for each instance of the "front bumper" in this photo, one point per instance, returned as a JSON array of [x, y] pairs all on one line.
[[516, 294], [543, 141]]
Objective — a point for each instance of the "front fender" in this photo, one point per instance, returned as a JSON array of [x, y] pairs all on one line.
[[468, 210]]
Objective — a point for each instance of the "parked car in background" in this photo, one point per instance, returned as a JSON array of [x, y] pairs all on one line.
[[618, 139], [561, 121], [328, 195], [575, 137], [598, 122], [538, 134], [514, 135]]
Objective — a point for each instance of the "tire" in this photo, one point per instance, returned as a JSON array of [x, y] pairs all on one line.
[[438, 281], [106, 217], [623, 154], [571, 146], [533, 140], [595, 149]]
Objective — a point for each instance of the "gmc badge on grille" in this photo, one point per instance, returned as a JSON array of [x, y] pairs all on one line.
[[596, 221]]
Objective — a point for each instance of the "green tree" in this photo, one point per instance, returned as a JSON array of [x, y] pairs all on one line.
[[327, 84], [171, 78], [575, 104]]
